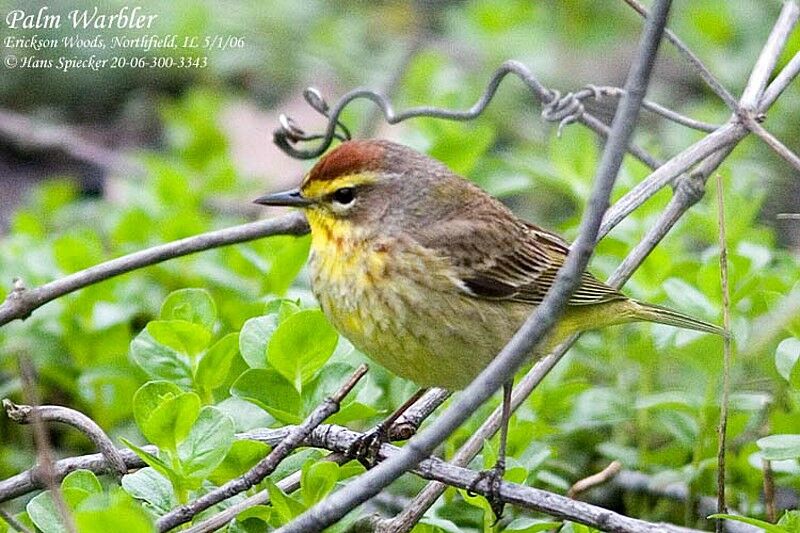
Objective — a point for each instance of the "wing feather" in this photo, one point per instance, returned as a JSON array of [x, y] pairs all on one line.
[[508, 260]]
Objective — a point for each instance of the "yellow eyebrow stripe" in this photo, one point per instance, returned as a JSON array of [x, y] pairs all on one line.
[[316, 189]]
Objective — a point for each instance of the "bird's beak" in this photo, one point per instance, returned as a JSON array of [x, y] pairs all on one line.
[[292, 198]]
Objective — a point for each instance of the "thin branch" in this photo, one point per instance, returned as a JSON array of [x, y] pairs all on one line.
[[15, 524], [727, 135], [781, 81], [769, 490], [726, 347], [267, 465], [693, 60], [408, 423], [773, 142], [45, 469], [768, 58], [536, 326], [589, 482], [339, 439], [21, 302], [288, 485], [25, 414]]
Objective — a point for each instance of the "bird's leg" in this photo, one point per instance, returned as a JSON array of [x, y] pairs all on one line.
[[494, 475], [365, 448]]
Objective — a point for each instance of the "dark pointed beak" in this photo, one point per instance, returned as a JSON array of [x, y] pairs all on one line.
[[291, 198]]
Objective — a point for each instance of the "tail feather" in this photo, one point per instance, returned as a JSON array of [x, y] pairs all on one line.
[[665, 315]]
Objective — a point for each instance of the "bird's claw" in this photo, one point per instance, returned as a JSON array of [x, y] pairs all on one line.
[[366, 447], [493, 477]]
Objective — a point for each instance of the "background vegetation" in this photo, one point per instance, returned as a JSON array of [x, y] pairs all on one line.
[[211, 330]]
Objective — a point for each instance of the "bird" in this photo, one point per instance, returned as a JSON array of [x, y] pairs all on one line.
[[430, 276]]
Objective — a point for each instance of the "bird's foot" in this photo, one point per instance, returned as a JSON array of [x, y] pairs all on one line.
[[493, 477], [365, 448]]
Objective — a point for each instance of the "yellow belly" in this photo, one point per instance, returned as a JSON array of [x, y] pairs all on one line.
[[399, 305]]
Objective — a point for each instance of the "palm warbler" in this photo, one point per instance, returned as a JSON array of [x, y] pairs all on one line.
[[429, 275]]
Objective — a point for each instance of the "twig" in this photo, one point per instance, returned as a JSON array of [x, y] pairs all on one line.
[[693, 60], [773, 142], [21, 302], [339, 438], [267, 465], [726, 347], [769, 490], [788, 216], [24, 414], [288, 485], [589, 482], [781, 81], [15, 524], [409, 422], [44, 452], [768, 58], [727, 135], [541, 320]]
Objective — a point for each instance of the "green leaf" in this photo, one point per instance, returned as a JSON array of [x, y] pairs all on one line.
[[270, 391], [301, 345], [531, 525], [150, 396], [43, 512], [155, 462], [160, 361], [116, 511], [165, 415], [790, 521], [82, 479], [180, 335], [786, 357], [213, 367], [766, 526], [241, 457], [780, 447], [192, 305], [152, 487], [286, 506], [254, 337], [283, 307], [207, 443], [317, 479], [687, 297]]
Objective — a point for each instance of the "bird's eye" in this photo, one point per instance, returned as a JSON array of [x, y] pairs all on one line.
[[344, 196]]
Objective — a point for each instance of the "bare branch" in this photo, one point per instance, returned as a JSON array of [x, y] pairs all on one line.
[[21, 302], [541, 320], [773, 142], [288, 485], [693, 60], [727, 135], [15, 524], [781, 81], [726, 347], [267, 465], [589, 482], [768, 58], [24, 414], [769, 490], [45, 469]]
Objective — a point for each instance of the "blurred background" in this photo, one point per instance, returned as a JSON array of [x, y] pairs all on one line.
[[96, 164]]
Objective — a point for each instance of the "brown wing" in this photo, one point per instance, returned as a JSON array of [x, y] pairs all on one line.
[[508, 259]]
